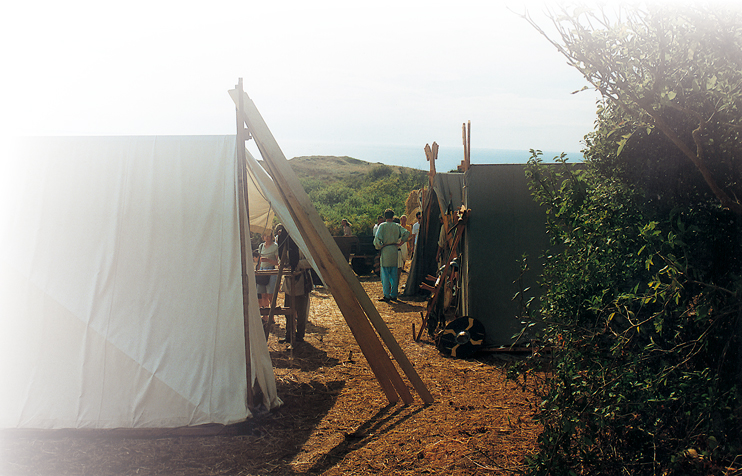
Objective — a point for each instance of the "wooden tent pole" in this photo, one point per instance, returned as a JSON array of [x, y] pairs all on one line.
[[244, 226], [432, 155], [466, 138], [343, 283], [468, 144]]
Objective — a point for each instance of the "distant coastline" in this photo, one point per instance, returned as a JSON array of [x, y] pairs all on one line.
[[407, 156]]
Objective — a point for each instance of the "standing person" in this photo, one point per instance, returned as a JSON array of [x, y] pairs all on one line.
[[404, 249], [268, 259], [389, 237], [400, 260], [379, 221], [347, 231], [406, 245], [415, 232], [296, 286]]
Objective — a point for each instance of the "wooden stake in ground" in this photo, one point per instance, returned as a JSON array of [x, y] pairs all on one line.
[[355, 305]]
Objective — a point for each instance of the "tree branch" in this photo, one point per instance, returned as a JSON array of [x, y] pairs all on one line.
[[695, 157]]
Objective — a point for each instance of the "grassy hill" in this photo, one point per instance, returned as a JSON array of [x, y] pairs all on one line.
[[359, 191], [329, 168]]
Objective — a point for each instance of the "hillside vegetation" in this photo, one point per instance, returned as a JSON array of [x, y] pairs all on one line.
[[359, 191]]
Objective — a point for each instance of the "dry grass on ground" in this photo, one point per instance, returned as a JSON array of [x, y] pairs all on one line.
[[335, 419]]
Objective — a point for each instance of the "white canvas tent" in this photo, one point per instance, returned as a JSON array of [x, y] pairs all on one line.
[[121, 280], [121, 300]]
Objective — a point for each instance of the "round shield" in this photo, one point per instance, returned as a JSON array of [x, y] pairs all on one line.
[[461, 337]]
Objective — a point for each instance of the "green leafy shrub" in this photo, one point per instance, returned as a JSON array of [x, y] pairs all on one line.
[[644, 316], [642, 301], [360, 198]]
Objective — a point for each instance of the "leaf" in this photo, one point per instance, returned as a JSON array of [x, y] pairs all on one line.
[[621, 145]]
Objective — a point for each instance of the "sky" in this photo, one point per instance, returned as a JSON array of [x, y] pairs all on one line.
[[327, 76]]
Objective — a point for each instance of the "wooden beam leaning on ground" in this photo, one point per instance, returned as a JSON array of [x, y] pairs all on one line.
[[353, 301]]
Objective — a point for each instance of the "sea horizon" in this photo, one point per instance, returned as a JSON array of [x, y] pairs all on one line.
[[414, 157]]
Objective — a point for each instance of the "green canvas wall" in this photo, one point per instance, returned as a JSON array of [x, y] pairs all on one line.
[[505, 223]]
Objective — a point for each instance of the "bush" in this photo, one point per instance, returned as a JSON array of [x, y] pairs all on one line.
[[644, 316], [361, 199]]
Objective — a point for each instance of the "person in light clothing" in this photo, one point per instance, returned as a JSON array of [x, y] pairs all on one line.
[[389, 236], [415, 233], [268, 257], [347, 230], [379, 221]]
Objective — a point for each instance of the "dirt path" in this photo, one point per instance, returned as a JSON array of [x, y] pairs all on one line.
[[335, 419]]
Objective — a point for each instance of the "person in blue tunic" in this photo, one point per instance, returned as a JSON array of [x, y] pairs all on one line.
[[388, 238]]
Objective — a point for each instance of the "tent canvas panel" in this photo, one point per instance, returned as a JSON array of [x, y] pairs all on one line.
[[262, 187], [446, 197], [504, 225], [121, 303]]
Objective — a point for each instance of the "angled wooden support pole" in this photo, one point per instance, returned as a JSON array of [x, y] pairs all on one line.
[[355, 305]]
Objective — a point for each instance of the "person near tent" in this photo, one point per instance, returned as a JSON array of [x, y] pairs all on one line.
[[400, 259], [296, 288], [267, 259], [379, 221], [347, 230], [405, 248], [415, 233], [388, 238], [297, 285]]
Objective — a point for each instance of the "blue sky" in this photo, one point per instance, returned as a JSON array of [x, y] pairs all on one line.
[[325, 72]]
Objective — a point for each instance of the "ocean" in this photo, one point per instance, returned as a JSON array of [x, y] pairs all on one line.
[[408, 156]]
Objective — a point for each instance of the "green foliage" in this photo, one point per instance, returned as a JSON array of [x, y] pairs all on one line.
[[670, 74], [643, 286], [360, 198], [644, 316]]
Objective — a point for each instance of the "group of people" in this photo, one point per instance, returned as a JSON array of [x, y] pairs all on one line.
[[396, 241], [297, 282], [393, 236]]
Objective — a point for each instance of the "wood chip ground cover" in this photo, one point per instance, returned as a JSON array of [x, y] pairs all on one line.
[[335, 419]]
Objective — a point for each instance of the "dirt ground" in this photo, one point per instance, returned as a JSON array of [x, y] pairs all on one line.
[[335, 419]]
